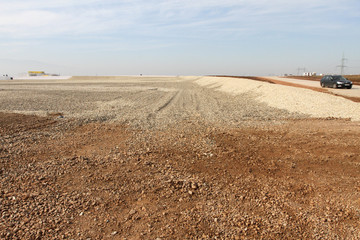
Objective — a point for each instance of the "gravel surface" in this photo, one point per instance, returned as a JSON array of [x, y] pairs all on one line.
[[159, 101], [353, 92], [65, 179], [292, 99], [140, 101], [173, 158]]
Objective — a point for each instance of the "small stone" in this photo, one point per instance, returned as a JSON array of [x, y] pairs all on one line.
[[114, 233], [132, 212]]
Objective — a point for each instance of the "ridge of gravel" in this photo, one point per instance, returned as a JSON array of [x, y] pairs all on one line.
[[292, 99]]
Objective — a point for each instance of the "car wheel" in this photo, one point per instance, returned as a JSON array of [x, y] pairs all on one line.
[[334, 85], [349, 87], [323, 85]]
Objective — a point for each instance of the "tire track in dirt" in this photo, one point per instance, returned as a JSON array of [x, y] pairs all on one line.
[[169, 101]]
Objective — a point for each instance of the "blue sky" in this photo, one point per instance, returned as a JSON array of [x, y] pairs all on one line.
[[172, 37]]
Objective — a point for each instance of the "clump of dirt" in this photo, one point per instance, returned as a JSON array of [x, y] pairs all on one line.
[[62, 179]]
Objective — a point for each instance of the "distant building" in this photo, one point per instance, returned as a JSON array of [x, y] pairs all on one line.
[[36, 73], [40, 73], [309, 74]]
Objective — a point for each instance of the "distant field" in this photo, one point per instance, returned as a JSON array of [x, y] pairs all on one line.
[[354, 78]]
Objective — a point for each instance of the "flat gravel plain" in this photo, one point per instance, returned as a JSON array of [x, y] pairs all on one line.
[[148, 102], [176, 158], [140, 101]]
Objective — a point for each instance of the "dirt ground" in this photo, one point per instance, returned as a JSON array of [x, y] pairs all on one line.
[[67, 179]]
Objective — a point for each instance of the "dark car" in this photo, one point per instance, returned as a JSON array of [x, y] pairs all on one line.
[[335, 81]]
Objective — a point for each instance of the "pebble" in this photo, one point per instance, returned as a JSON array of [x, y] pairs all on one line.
[[80, 175]]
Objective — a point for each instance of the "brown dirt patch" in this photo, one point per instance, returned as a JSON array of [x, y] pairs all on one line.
[[10, 123], [297, 180]]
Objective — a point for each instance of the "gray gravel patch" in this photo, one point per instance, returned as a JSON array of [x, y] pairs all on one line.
[[141, 102]]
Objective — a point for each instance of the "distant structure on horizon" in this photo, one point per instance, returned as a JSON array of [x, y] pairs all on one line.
[[309, 74], [6, 77], [36, 73], [342, 66], [40, 73], [305, 74]]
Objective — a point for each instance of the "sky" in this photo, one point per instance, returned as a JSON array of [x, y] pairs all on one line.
[[179, 37]]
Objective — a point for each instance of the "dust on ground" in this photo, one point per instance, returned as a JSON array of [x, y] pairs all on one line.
[[69, 179]]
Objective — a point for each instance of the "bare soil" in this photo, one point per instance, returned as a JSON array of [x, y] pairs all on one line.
[[67, 179]]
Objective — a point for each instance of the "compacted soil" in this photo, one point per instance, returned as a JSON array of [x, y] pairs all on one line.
[[156, 158], [65, 179]]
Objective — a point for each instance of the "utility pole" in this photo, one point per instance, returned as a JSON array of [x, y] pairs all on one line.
[[342, 66], [299, 69]]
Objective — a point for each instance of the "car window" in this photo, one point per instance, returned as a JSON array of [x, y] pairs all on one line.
[[342, 78]]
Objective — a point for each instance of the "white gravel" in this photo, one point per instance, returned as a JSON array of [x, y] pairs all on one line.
[[292, 99], [165, 101]]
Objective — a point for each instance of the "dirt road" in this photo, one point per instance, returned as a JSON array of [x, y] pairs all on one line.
[[178, 158], [354, 92]]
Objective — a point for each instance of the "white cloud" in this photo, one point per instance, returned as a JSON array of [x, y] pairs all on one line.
[[189, 33], [43, 18], [25, 19]]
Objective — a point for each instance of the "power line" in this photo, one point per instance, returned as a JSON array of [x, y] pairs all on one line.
[[299, 69], [342, 66]]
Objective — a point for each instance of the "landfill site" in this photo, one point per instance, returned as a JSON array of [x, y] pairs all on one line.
[[162, 157]]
